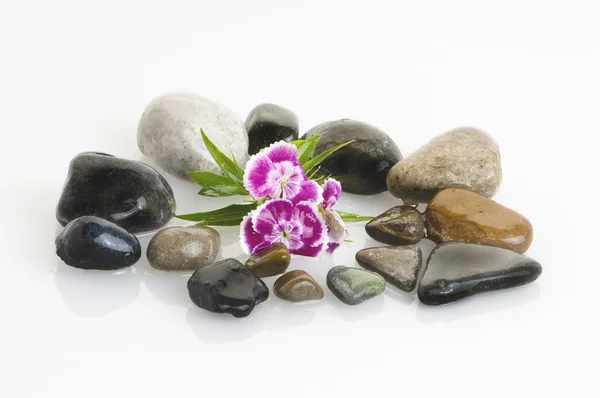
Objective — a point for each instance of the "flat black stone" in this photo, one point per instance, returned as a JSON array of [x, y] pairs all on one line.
[[362, 166], [458, 270], [131, 194], [93, 243], [400, 225], [227, 287], [269, 123]]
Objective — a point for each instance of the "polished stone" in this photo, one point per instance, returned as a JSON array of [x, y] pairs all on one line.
[[93, 243], [458, 270], [183, 248], [459, 215], [465, 157], [297, 286], [399, 265], [269, 123], [362, 166], [169, 133], [354, 285], [400, 225], [270, 261], [227, 287], [131, 194]]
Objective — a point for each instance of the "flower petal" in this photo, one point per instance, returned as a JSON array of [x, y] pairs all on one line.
[[338, 231], [256, 176], [308, 251], [251, 240], [309, 191], [314, 229], [282, 151], [331, 247], [331, 193], [268, 216]]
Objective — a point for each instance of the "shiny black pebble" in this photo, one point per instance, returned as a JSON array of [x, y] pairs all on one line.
[[93, 243], [269, 123], [362, 166], [131, 194], [227, 287], [458, 270]]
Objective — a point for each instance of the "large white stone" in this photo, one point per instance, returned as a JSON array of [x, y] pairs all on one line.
[[169, 133]]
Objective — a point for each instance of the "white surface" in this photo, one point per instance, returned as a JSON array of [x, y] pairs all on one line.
[[76, 76]]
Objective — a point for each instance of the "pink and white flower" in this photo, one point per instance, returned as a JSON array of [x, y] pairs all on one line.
[[300, 227], [336, 228], [275, 173]]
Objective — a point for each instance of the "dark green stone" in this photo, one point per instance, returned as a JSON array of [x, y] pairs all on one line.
[[354, 285]]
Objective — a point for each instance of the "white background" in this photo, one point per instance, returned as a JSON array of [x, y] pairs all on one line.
[[76, 76]]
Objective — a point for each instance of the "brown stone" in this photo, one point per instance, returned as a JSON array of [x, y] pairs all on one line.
[[297, 286], [270, 261], [459, 215], [400, 225]]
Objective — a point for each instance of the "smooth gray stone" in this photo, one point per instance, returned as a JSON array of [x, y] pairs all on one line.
[[169, 133], [270, 123], [400, 225], [399, 265], [354, 285], [183, 248], [458, 270], [362, 166], [465, 157]]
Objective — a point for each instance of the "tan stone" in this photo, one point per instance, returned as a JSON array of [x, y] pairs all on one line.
[[465, 157]]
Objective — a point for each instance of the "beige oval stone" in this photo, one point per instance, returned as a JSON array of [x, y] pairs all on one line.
[[465, 157]]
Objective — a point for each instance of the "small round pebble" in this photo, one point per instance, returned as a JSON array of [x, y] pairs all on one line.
[[183, 248]]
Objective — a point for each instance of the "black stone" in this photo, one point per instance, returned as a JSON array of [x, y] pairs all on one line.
[[400, 225], [227, 287], [131, 194], [269, 123], [362, 166], [459, 270], [93, 243]]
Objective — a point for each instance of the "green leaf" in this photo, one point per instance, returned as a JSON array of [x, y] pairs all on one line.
[[297, 143], [216, 185], [230, 167], [349, 217], [307, 149], [226, 216], [308, 166]]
